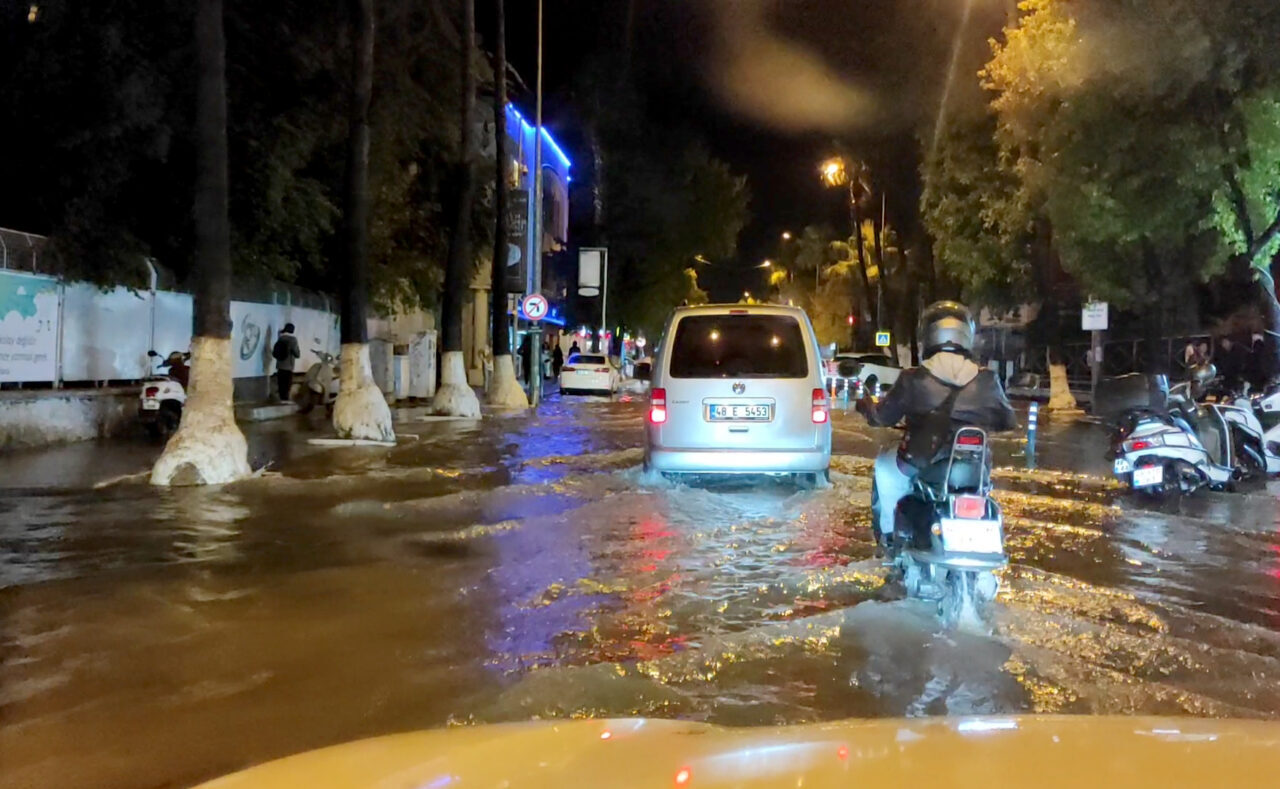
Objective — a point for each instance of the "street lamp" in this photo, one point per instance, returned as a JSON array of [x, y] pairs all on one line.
[[766, 264], [786, 235], [835, 172]]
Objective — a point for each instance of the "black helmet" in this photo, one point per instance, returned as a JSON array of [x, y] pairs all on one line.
[[947, 326]]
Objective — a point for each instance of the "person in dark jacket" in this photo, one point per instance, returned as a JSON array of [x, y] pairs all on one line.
[[948, 390], [285, 351]]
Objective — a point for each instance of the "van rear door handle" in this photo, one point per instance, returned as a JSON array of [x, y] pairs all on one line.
[[739, 429]]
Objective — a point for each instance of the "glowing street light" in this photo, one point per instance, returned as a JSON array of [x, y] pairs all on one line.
[[834, 172], [786, 235], [766, 264]]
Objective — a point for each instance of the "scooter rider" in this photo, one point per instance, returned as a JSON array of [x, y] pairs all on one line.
[[948, 390]]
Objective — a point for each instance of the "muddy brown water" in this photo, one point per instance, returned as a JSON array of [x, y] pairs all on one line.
[[526, 567]]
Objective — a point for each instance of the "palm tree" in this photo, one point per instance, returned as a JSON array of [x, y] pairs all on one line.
[[361, 411], [455, 396], [505, 389], [209, 448]]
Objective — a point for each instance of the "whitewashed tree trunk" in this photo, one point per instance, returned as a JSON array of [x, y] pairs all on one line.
[[1060, 397], [208, 448], [361, 411], [504, 390], [455, 397]]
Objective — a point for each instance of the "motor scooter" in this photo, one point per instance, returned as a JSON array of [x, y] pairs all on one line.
[[321, 383], [1265, 408], [1163, 442], [949, 538], [162, 396]]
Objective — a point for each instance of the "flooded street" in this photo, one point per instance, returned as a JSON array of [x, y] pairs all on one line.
[[526, 567]]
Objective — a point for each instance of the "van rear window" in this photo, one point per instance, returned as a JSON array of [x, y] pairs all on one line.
[[739, 346]]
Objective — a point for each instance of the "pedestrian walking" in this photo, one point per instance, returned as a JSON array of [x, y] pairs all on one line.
[[285, 351], [557, 360], [574, 348]]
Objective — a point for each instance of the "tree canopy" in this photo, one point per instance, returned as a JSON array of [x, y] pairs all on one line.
[[100, 102], [1141, 133]]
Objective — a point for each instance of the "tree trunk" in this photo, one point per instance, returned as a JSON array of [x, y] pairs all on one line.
[[455, 396], [1155, 361], [865, 308], [504, 389], [208, 448], [360, 412]]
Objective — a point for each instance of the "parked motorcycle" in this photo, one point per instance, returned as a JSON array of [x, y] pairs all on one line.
[[1163, 442], [1265, 407], [321, 383], [950, 532], [162, 396]]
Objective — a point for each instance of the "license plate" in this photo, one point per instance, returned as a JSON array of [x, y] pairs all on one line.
[[969, 536], [722, 412], [150, 405], [1123, 466], [1148, 475]]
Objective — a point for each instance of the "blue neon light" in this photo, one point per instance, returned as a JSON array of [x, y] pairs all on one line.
[[556, 148], [526, 128]]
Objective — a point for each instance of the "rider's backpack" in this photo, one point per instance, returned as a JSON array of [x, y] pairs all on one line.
[[280, 351]]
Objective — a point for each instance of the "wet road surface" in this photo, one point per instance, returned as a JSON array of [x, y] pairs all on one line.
[[526, 567]]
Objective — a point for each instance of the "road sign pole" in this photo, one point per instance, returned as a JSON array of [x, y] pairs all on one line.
[[604, 302], [535, 263]]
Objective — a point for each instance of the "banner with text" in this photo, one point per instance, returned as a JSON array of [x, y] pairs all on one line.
[[28, 327]]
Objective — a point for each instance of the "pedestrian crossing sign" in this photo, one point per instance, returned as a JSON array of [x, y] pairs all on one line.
[[883, 339]]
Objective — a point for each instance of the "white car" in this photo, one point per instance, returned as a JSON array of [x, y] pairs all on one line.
[[869, 369], [588, 373]]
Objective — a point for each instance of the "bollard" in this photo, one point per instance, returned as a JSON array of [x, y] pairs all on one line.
[[846, 394], [875, 392], [1032, 417]]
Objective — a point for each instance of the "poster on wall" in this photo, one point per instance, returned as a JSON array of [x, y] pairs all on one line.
[[28, 328], [517, 240]]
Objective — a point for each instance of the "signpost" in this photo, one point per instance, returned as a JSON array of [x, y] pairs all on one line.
[[883, 339], [1093, 318], [534, 306], [593, 279]]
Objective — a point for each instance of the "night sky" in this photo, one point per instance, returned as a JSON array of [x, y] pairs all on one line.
[[772, 85]]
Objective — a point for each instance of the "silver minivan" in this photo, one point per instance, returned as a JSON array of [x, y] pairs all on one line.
[[738, 389]]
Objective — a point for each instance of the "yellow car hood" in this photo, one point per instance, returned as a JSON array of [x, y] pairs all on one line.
[[984, 753]]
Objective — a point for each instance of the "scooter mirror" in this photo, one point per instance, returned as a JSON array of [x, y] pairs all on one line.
[[152, 354]]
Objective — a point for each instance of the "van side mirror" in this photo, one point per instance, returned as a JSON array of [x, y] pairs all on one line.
[[152, 354]]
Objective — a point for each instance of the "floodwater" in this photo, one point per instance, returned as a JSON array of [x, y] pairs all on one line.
[[525, 567]]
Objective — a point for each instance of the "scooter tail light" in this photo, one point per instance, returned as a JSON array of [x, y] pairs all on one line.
[[152, 391], [969, 439], [658, 406], [820, 406], [1139, 444], [970, 507]]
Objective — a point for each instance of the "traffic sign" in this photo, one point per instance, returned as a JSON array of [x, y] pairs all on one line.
[[883, 339], [1093, 317], [534, 306]]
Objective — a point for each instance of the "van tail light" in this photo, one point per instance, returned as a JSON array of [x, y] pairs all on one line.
[[601, 370], [970, 507], [658, 406], [820, 406], [151, 391], [567, 369]]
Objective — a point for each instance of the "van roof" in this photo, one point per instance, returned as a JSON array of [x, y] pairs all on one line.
[[725, 309]]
